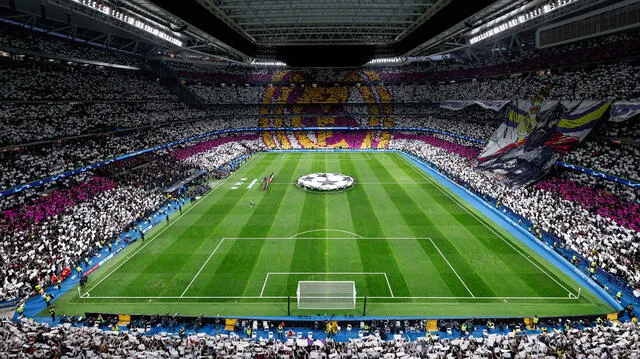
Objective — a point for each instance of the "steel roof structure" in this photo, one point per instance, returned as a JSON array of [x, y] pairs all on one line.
[[310, 22], [297, 32]]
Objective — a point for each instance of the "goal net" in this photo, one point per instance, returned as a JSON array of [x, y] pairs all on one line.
[[326, 294]]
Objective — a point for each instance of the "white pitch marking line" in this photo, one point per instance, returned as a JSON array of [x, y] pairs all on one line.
[[284, 297], [201, 268], [326, 230], [195, 297], [366, 183], [450, 266], [264, 285], [282, 238], [483, 223], [165, 228], [477, 298], [388, 284], [252, 183], [329, 273]]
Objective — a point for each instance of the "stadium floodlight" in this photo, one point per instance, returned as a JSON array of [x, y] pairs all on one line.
[[267, 63], [386, 61], [133, 21], [326, 295], [517, 20]]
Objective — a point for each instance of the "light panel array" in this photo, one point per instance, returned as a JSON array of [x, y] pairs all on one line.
[[114, 13], [520, 19], [386, 60], [268, 63]]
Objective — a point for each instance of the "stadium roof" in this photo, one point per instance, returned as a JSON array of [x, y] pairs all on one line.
[[322, 32], [285, 22], [300, 33]]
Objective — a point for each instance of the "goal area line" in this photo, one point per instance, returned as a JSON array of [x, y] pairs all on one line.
[[266, 278]]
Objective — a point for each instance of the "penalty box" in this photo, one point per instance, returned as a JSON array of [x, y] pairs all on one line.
[[274, 275]]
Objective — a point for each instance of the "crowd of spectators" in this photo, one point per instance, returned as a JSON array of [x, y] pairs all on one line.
[[624, 192], [604, 82], [34, 340], [63, 231], [17, 37], [23, 123], [601, 226], [211, 155], [59, 224], [464, 122], [46, 229], [41, 80], [212, 159], [628, 130], [158, 172], [40, 161], [617, 159]]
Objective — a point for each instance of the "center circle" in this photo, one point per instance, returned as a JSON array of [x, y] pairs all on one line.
[[325, 182]]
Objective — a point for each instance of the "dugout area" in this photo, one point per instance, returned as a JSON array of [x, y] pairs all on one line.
[[409, 244]]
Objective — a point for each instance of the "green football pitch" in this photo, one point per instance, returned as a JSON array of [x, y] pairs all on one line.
[[410, 245]]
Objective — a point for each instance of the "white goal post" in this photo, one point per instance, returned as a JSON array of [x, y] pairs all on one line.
[[326, 294]]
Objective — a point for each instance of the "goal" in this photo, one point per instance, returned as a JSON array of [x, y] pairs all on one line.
[[326, 295]]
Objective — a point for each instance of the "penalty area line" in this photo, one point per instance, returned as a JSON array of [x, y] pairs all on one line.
[[388, 284], [450, 266], [201, 268], [264, 285]]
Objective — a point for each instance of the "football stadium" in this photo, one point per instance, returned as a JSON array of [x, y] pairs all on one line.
[[320, 179]]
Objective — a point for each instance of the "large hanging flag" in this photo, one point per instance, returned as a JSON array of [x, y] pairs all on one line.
[[624, 110], [579, 118], [529, 141]]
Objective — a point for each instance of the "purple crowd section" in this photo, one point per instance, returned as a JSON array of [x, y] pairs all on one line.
[[606, 204], [53, 203], [187, 152]]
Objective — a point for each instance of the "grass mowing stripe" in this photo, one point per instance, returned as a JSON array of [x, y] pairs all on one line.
[[443, 280], [503, 238], [278, 255], [414, 265], [238, 264], [450, 266], [226, 224], [310, 253], [366, 224], [192, 247], [501, 260], [416, 217], [201, 268]]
